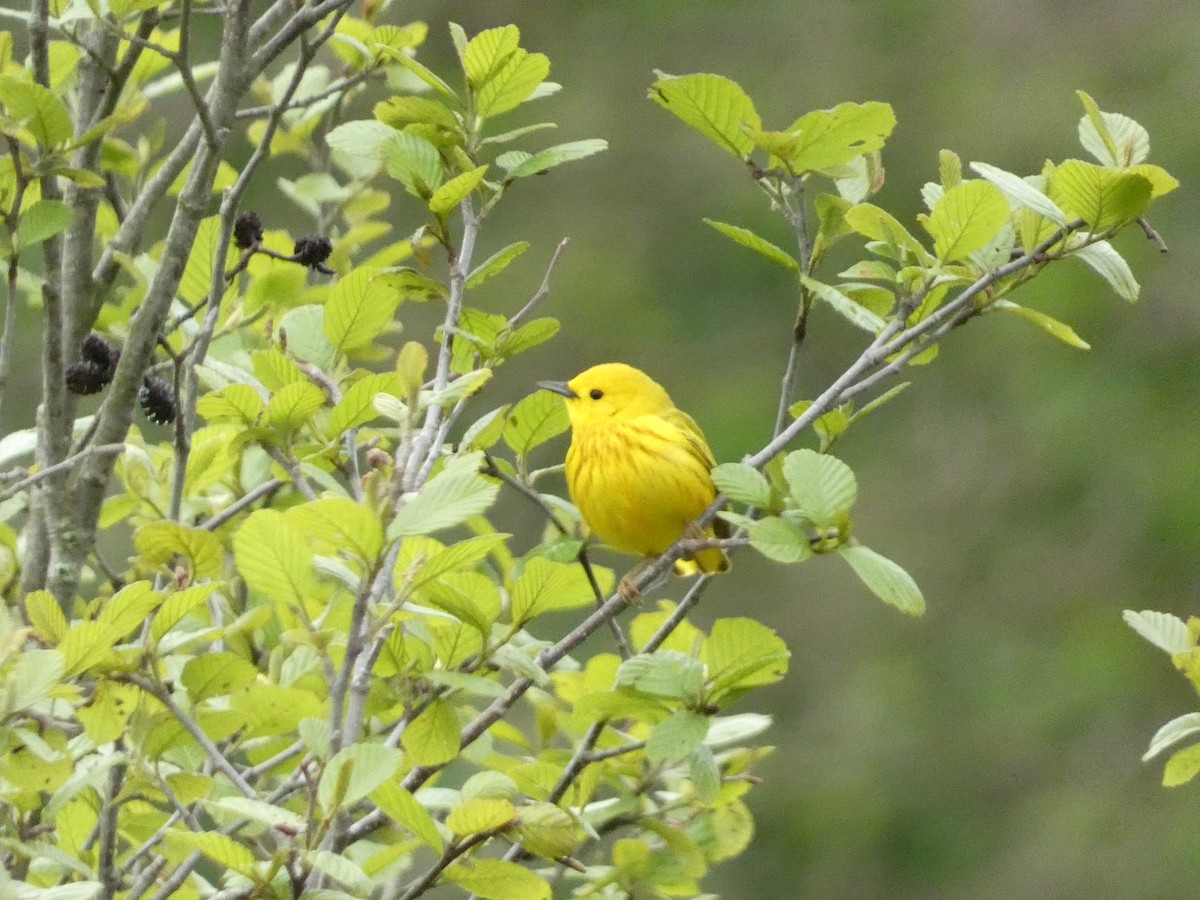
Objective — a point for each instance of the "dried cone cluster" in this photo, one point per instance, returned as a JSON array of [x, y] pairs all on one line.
[[95, 369], [157, 400]]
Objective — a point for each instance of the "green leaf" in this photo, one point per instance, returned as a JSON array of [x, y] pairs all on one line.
[[675, 737], [112, 705], [666, 673], [357, 406], [237, 402], [823, 487], [270, 709], [1112, 138], [715, 106], [402, 808], [399, 56], [742, 484], [849, 309], [886, 397], [274, 559], [400, 111], [496, 263], [546, 830], [341, 869], [159, 543], [1182, 767], [305, 330], [269, 814], [879, 225], [224, 851], [1049, 324], [354, 772], [1103, 259], [432, 738], [512, 83], [348, 527], [454, 191], [414, 162], [1172, 733], [470, 597], [41, 221], [741, 653], [490, 784], [38, 109], [748, 238], [361, 142], [485, 53], [1019, 190], [534, 420], [887, 581], [481, 814], [1103, 198], [547, 159], [498, 879], [34, 675], [196, 281], [1163, 630], [293, 405], [46, 616], [360, 306], [448, 499], [546, 586], [827, 138], [216, 675], [967, 218], [528, 336], [177, 606], [779, 539]]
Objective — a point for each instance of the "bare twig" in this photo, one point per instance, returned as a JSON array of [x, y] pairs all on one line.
[[266, 489], [67, 464], [543, 289]]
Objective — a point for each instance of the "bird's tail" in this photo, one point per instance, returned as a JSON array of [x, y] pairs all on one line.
[[708, 561]]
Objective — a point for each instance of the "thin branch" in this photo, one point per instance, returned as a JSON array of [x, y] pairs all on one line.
[[543, 289], [67, 464], [292, 467], [258, 112], [451, 853], [264, 490], [1153, 236]]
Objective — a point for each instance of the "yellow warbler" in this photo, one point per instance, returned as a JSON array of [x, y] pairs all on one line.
[[638, 468]]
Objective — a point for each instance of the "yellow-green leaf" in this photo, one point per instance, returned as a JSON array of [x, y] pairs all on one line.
[[46, 616], [714, 105], [273, 557], [511, 83], [498, 879], [761, 245], [481, 814], [341, 523], [432, 738], [454, 191], [235, 402], [402, 808], [360, 307], [294, 404], [1049, 324], [967, 218]]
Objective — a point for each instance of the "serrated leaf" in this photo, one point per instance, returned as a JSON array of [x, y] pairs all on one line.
[[714, 105], [274, 559], [675, 737], [1103, 259], [224, 851], [354, 772], [1019, 190], [1102, 197], [742, 484], [399, 56], [361, 305], [414, 162], [666, 673], [496, 263], [528, 336], [448, 499], [432, 738], [827, 138], [237, 402], [1049, 324], [216, 675], [1163, 630], [1172, 733], [511, 83], [741, 653], [879, 225], [846, 307], [966, 219], [343, 524], [38, 109], [357, 406], [177, 606], [481, 814], [361, 141], [485, 53], [886, 579], [779, 539], [454, 191], [546, 586], [46, 616], [41, 221], [534, 420], [498, 879], [547, 159], [546, 830], [823, 486], [402, 808], [1112, 138], [32, 678], [760, 245], [293, 405], [305, 330], [340, 869]]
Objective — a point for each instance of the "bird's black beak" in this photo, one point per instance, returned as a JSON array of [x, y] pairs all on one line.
[[559, 387]]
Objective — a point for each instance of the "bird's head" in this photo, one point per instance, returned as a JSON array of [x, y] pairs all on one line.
[[610, 391]]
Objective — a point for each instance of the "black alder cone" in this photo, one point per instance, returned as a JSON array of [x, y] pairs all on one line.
[[312, 251], [87, 377], [248, 230], [97, 350], [157, 400]]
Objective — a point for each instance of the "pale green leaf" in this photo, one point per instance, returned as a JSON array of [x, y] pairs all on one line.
[[294, 405], [1163, 630], [714, 105], [528, 336], [1182, 767], [354, 772], [534, 420], [432, 738], [546, 586], [666, 673], [498, 879], [1172, 733], [675, 737], [361, 142], [46, 616], [402, 808], [705, 774], [742, 484], [879, 225], [38, 109], [339, 868], [448, 499], [1103, 259], [42, 220], [779, 539], [496, 263], [887, 581], [414, 162], [177, 606], [742, 653], [274, 559], [761, 245], [224, 851], [846, 307], [1049, 324], [304, 328], [360, 307], [547, 159], [1112, 138], [822, 486], [32, 678], [546, 830], [1019, 190], [481, 814], [357, 406]]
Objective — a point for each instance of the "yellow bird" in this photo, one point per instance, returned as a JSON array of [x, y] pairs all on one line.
[[638, 468]]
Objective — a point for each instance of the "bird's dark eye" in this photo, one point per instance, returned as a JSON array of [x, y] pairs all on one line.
[[596, 393]]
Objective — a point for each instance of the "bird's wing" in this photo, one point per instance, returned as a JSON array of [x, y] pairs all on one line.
[[692, 435]]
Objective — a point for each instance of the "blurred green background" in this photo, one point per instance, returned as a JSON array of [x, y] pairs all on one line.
[[991, 748]]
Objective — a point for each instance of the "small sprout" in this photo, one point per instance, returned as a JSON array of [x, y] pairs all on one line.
[[378, 459], [312, 251], [248, 230], [157, 400], [86, 377]]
